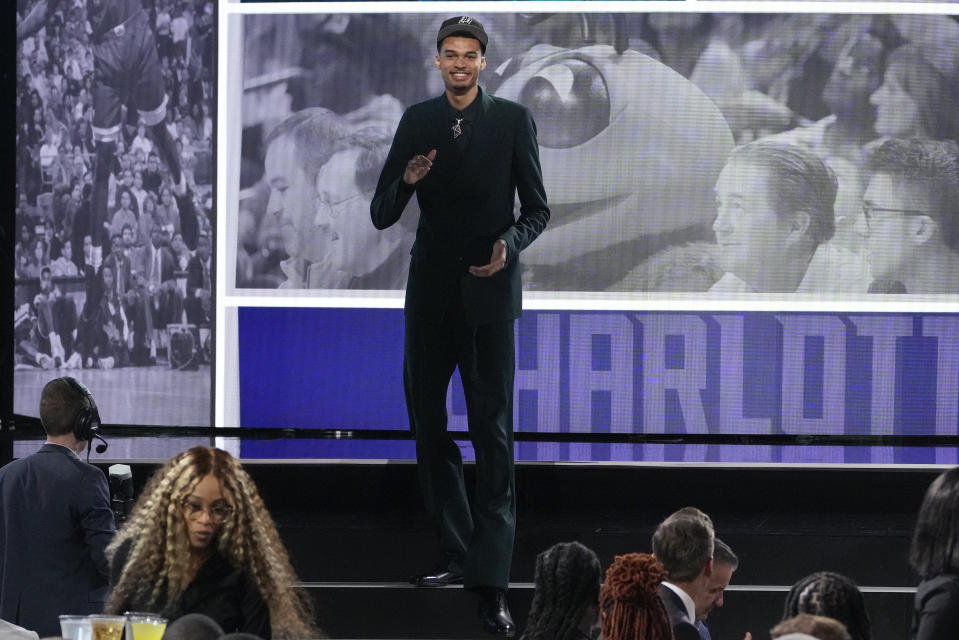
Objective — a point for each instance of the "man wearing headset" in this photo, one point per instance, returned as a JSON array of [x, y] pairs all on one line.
[[55, 519]]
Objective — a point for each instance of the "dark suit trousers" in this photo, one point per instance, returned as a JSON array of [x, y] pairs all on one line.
[[478, 540]]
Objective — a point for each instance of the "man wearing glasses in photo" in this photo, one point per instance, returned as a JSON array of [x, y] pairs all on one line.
[[910, 216]]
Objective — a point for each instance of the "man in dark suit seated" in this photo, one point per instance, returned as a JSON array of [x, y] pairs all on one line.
[[55, 519], [684, 542]]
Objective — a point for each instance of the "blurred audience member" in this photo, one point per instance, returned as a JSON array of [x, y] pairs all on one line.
[[934, 554], [193, 626], [629, 600], [832, 595], [684, 544], [819, 627], [566, 599], [725, 563]]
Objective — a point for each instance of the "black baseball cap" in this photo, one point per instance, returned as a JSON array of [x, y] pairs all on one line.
[[463, 24]]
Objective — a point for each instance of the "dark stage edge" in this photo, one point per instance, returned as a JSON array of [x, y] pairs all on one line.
[[356, 532]]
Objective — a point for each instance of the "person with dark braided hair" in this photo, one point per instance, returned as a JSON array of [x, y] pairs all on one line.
[[832, 595], [565, 603], [629, 603], [934, 554]]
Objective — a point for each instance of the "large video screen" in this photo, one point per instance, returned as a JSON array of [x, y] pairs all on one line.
[[717, 163], [114, 276]]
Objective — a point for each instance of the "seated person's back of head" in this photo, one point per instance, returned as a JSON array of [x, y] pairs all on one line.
[[193, 626], [832, 595], [629, 602], [567, 592], [819, 627]]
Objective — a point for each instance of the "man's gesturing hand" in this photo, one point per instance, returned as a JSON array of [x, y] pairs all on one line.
[[417, 167], [496, 262]]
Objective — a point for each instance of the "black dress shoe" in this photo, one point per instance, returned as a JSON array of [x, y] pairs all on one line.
[[494, 613], [437, 579]]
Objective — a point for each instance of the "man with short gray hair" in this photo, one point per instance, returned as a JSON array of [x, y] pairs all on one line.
[[684, 544]]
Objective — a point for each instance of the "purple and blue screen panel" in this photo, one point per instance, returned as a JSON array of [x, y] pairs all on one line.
[[622, 372]]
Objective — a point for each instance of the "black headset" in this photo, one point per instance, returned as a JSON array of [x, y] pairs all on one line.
[[86, 423]]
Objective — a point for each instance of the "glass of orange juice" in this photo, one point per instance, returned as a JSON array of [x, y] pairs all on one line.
[[144, 626], [106, 627]]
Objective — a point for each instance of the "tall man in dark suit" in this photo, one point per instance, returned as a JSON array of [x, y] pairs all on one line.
[[466, 154], [684, 542], [55, 522]]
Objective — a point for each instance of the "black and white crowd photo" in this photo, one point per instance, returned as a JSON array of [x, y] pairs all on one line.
[[114, 214], [720, 153]]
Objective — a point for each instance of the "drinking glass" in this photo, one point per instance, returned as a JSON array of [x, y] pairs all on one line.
[[107, 627], [144, 626], [75, 627]]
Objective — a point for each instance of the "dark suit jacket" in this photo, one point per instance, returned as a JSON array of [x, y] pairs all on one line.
[[194, 276], [936, 611], [466, 203], [144, 263], [683, 627], [55, 522]]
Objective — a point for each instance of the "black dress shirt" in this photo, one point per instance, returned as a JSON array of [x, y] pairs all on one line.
[[219, 591]]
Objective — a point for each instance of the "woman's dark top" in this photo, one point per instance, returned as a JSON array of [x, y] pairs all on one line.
[[936, 612], [218, 590]]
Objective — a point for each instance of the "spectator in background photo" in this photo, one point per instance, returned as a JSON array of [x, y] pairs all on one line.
[[775, 208], [199, 286], [359, 256], [167, 211], [157, 266], [152, 175], [56, 322], [124, 217], [35, 260], [915, 99], [934, 554], [64, 266], [629, 600], [296, 149], [910, 215], [200, 540], [180, 251], [112, 333], [832, 595], [566, 598]]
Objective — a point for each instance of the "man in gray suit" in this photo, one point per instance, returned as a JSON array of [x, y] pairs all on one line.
[[55, 519]]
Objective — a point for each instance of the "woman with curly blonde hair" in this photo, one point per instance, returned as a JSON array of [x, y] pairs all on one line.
[[200, 540], [629, 602]]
